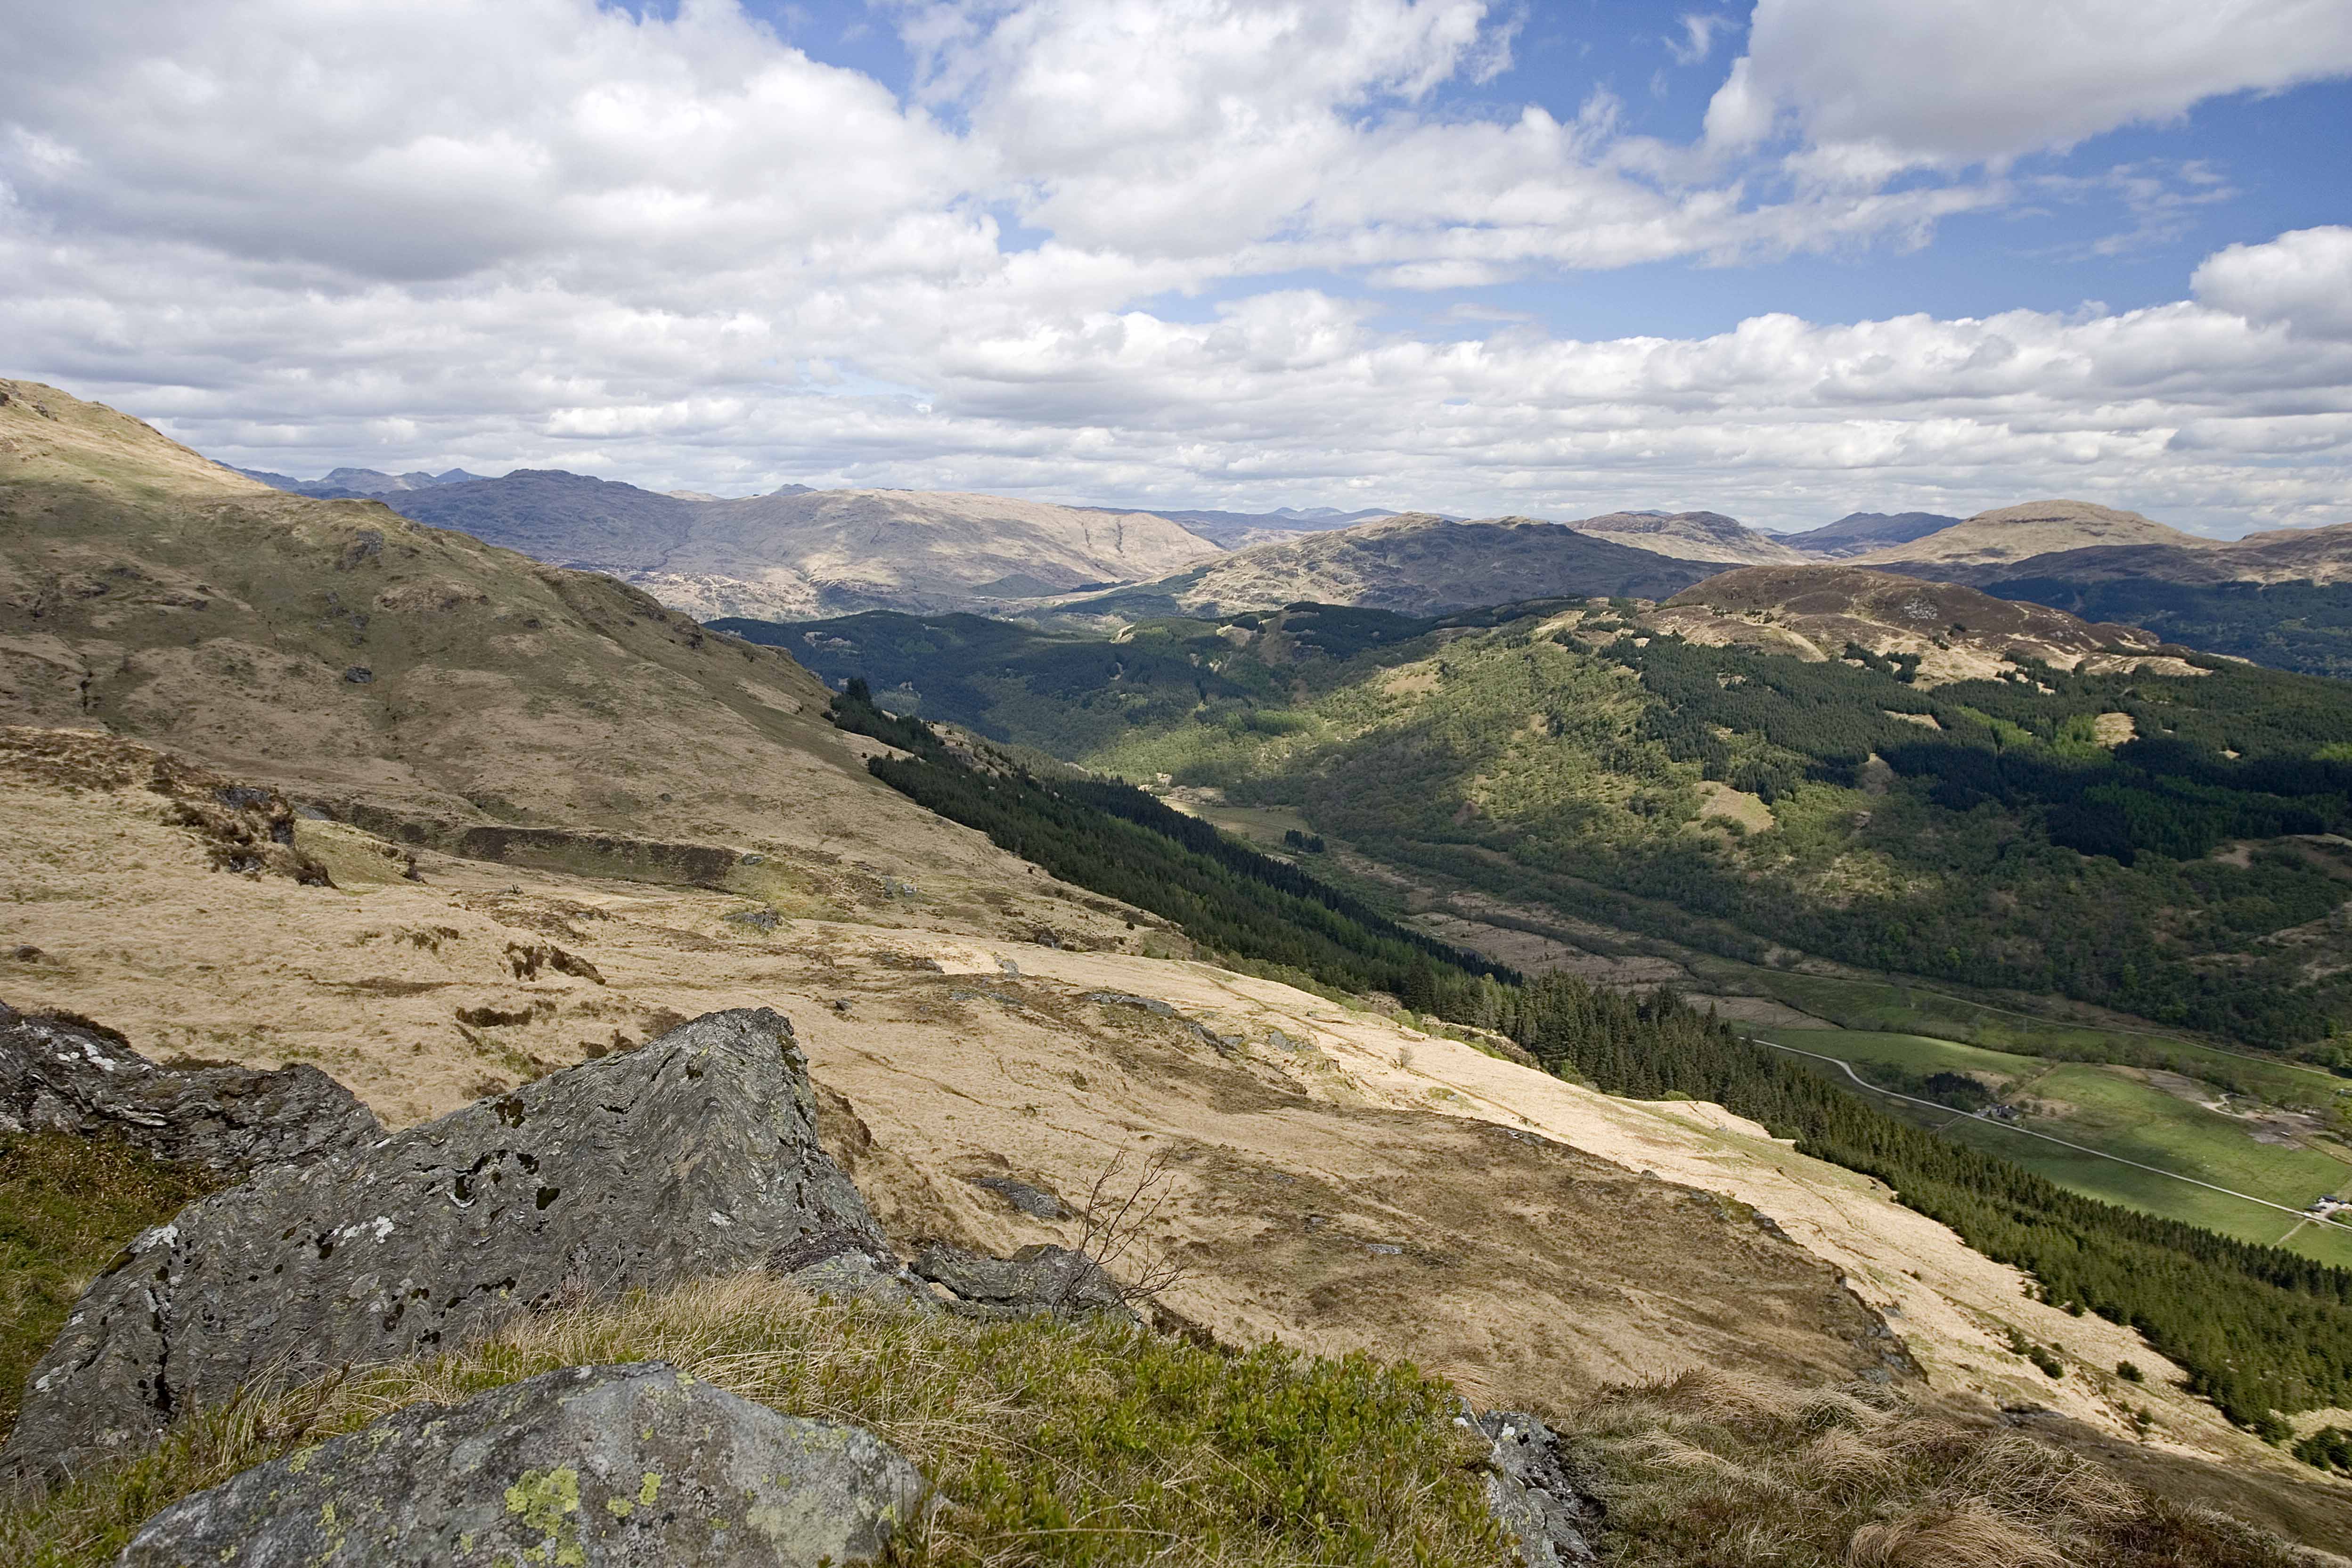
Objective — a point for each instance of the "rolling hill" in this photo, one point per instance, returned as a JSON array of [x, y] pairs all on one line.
[[2006, 536], [2282, 598], [1946, 630], [1412, 564], [1706, 536], [1860, 533]]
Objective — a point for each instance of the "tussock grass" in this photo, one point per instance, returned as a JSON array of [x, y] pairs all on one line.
[[1054, 1443], [1709, 1471]]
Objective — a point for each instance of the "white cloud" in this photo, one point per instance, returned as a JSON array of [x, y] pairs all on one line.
[[2302, 279], [677, 250], [1887, 85]]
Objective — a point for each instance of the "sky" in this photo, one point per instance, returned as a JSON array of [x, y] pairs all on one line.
[[1783, 261]]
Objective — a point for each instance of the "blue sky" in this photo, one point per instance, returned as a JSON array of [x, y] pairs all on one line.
[[1779, 259]]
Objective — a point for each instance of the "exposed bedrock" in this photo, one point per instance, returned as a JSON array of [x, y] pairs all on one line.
[[601, 1467], [696, 1154], [61, 1075]]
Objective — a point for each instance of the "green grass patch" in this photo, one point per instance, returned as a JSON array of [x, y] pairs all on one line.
[[2110, 1110], [1894, 1007], [1053, 1443], [67, 1205]]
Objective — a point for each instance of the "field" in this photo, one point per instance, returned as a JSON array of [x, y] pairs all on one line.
[[1896, 1007], [2128, 1113]]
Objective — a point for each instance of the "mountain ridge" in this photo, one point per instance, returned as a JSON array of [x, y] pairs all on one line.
[[1412, 564]]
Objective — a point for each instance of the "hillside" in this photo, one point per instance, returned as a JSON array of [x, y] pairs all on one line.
[[1414, 565], [421, 681], [1687, 536], [312, 783], [1949, 632], [1860, 533], [1962, 806], [2282, 598], [798, 552], [2013, 533]]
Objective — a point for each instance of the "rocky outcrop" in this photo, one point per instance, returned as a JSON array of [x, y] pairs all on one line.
[[693, 1154], [1036, 1281], [1532, 1492], [61, 1075], [597, 1467]]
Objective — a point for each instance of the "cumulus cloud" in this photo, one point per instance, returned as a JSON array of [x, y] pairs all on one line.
[[2302, 279], [674, 249], [1874, 87]]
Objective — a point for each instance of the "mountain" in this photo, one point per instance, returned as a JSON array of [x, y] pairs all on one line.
[[1687, 536], [1414, 565], [800, 552], [1951, 632], [2282, 598], [1239, 530], [300, 781], [345, 483], [2010, 534], [1860, 533], [412, 677]]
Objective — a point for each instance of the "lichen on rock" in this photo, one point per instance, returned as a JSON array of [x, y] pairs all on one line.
[[608, 1467], [696, 1154]]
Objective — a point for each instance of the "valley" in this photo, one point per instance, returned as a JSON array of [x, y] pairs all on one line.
[[312, 784]]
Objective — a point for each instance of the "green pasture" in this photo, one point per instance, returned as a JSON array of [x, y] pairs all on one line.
[[2113, 1110]]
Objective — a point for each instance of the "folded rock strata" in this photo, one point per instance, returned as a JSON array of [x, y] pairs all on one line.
[[696, 1154], [61, 1075]]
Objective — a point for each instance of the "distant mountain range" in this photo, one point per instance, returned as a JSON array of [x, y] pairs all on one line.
[[2282, 598], [344, 483], [798, 552], [1415, 564], [1239, 530]]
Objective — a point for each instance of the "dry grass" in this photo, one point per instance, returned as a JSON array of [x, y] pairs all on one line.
[[1053, 1443], [1713, 1471]]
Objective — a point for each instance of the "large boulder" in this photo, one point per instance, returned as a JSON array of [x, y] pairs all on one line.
[[1036, 1281], [695, 1153], [65, 1075], [594, 1466]]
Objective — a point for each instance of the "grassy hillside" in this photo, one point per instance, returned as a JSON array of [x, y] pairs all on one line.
[[420, 681], [1998, 832], [2301, 627]]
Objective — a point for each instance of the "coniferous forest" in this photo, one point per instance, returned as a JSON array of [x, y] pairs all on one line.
[[2137, 840]]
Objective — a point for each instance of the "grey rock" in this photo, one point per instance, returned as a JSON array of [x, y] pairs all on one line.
[[1532, 1492], [597, 1467], [61, 1075], [1122, 999], [1035, 1202], [1035, 1280], [359, 675], [695, 1153]]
